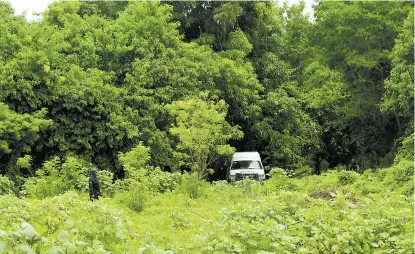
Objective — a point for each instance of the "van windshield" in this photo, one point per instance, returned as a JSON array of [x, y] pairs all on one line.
[[246, 165]]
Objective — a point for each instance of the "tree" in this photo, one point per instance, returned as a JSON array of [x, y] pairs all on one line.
[[288, 135], [18, 132], [135, 159], [297, 89], [361, 55], [297, 30], [398, 98], [202, 132], [159, 68]]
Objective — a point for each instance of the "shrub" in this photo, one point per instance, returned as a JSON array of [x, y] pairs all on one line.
[[192, 186], [290, 222], [24, 162], [277, 172], [105, 181], [347, 177], [163, 181], [408, 189], [340, 168], [406, 149], [303, 171], [135, 196], [401, 173], [135, 159], [250, 188], [279, 180], [55, 178], [6, 185], [400, 177], [312, 183], [67, 223], [179, 220]]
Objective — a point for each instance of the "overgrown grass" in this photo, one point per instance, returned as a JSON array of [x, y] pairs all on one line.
[[337, 212]]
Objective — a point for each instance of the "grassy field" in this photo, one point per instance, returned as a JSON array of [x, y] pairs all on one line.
[[338, 212]]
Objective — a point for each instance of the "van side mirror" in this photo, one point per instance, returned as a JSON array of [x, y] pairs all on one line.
[[267, 168]]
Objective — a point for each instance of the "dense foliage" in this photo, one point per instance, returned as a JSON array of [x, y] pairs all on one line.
[[337, 212], [93, 80]]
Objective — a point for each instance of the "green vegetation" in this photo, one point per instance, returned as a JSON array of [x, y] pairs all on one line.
[[203, 133], [337, 212], [158, 95], [96, 79]]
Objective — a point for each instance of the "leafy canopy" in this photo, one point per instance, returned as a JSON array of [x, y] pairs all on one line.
[[202, 130]]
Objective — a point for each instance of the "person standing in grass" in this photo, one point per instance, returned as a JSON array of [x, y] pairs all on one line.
[[94, 190]]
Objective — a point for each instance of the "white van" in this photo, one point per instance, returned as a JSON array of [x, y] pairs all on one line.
[[246, 165]]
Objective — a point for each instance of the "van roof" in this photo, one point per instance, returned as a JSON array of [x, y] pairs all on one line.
[[246, 156]]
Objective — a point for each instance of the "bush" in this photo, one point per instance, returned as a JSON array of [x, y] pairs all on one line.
[[55, 178], [163, 181], [278, 176], [47, 183], [366, 186], [105, 182], [249, 188], [400, 177], [63, 224], [405, 149], [290, 222], [135, 196], [6, 185], [303, 171], [309, 184], [192, 186], [277, 172], [347, 177], [135, 159], [24, 162], [237, 218], [179, 220], [408, 189], [401, 173]]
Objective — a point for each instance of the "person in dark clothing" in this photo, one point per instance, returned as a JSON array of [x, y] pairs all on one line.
[[94, 190], [354, 166]]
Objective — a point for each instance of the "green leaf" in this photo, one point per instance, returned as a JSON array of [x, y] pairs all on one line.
[[25, 248], [5, 247], [63, 236]]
